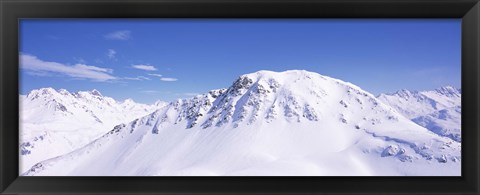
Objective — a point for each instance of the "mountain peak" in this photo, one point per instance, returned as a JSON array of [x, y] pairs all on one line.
[[293, 95], [272, 79], [404, 93], [48, 91], [64, 92], [160, 103], [128, 101], [272, 74], [448, 91], [95, 92]]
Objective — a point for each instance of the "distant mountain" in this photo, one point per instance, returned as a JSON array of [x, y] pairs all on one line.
[[267, 123], [57, 122], [438, 110]]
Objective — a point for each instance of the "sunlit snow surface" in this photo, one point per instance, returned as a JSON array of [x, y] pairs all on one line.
[[53, 123], [266, 123], [438, 110]]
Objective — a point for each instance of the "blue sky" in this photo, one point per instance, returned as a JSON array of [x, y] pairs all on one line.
[[148, 60]]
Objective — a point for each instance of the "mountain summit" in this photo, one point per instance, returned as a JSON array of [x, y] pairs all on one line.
[[57, 122], [438, 110], [267, 123]]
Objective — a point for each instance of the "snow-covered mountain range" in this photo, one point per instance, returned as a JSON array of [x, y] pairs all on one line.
[[267, 123], [438, 110], [57, 122]]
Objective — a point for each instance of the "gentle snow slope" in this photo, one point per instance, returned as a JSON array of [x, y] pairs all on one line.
[[57, 122], [438, 110], [267, 123]]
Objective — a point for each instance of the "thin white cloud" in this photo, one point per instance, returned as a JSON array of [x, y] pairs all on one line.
[[149, 91], [94, 68], [144, 67], [144, 78], [35, 66], [138, 78], [155, 75], [111, 54], [118, 35], [132, 78], [168, 79]]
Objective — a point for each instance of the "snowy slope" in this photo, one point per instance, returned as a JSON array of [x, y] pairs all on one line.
[[438, 110], [267, 123], [57, 122]]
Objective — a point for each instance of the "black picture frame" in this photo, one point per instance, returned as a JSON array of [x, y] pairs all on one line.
[[12, 10]]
